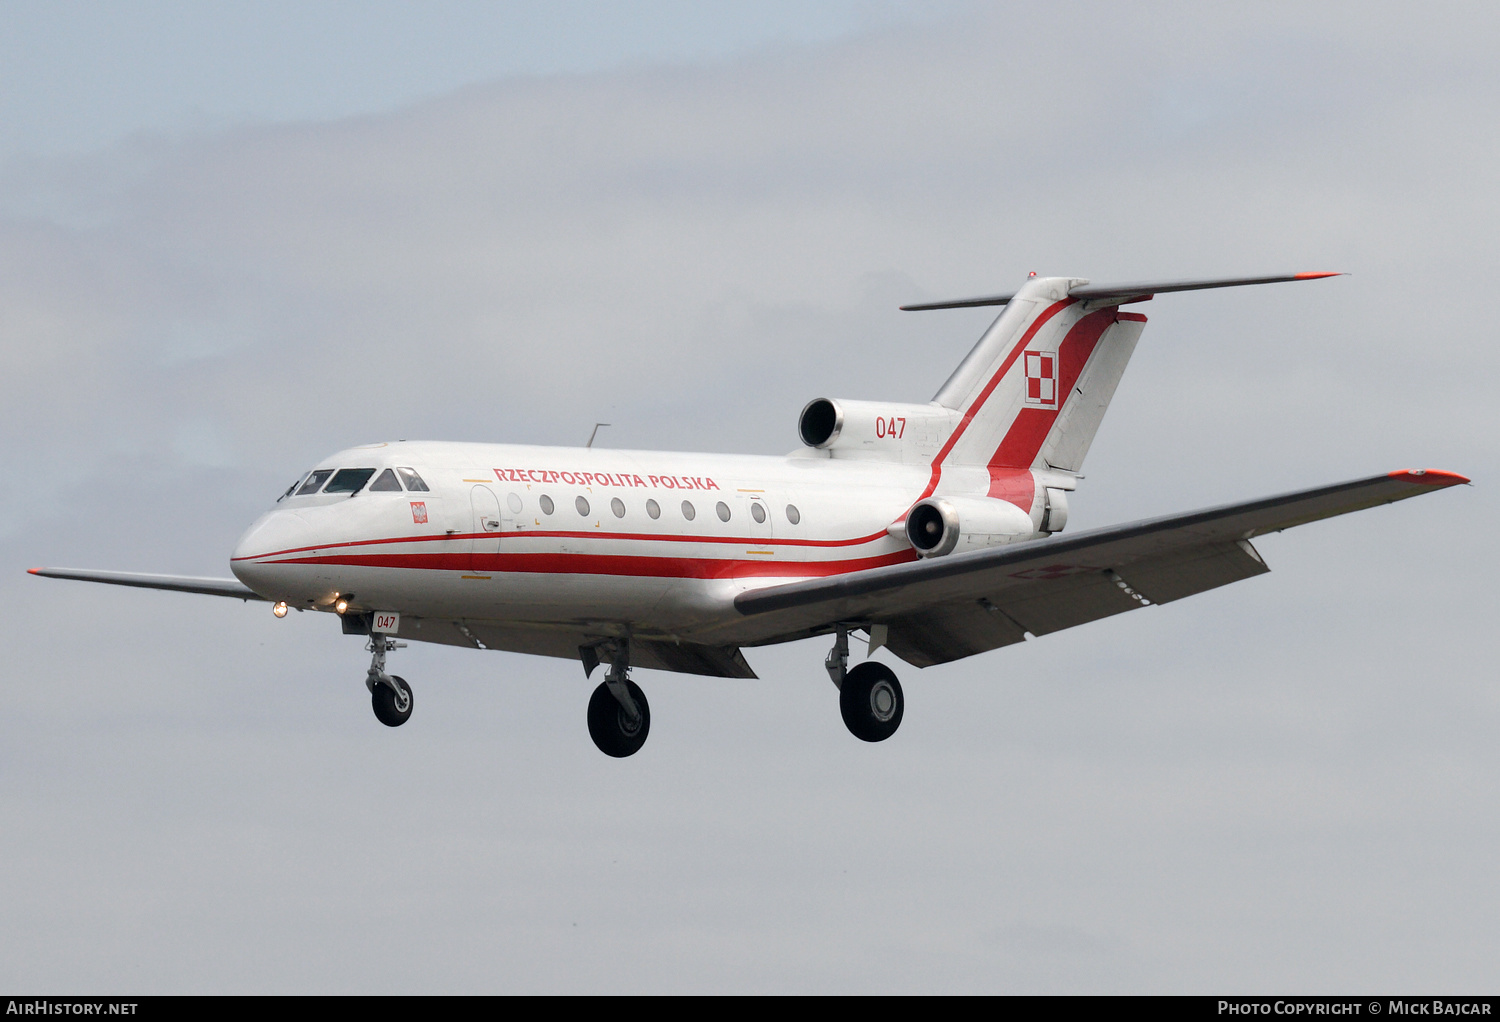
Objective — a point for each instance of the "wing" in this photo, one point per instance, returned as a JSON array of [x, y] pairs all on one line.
[[946, 608], [569, 643], [1138, 291], [176, 583]]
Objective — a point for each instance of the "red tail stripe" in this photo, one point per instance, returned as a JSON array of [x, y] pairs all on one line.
[[978, 403], [1015, 485], [1023, 441]]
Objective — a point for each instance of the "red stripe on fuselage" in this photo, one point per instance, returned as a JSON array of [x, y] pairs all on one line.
[[600, 534], [606, 564]]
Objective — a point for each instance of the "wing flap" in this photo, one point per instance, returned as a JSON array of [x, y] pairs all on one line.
[[1045, 607], [951, 632], [1164, 579]]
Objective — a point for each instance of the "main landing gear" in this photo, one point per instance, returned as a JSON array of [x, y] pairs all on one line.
[[870, 697], [619, 716], [390, 695]]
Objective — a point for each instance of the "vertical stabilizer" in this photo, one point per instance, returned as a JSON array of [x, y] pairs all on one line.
[[1033, 391]]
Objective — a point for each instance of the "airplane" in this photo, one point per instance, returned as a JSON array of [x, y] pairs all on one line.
[[932, 529]]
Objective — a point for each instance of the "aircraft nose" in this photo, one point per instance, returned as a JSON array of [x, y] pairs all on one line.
[[273, 533]]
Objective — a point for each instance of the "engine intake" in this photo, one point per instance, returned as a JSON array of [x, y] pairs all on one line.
[[941, 525], [820, 423]]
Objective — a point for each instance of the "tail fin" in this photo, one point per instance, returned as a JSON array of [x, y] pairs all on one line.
[[1032, 392]]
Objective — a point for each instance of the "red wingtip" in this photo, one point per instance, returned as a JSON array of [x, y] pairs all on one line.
[[1429, 476], [33, 571], [1315, 276]]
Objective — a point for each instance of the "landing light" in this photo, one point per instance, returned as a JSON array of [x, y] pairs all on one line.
[[279, 609], [340, 605]]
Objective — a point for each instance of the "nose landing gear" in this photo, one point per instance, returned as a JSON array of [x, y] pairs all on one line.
[[390, 695], [619, 716]]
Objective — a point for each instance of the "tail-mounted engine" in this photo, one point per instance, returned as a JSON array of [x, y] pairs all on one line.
[[942, 525], [876, 429]]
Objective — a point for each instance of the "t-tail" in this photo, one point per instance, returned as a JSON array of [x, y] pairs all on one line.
[[1031, 394], [1025, 403]]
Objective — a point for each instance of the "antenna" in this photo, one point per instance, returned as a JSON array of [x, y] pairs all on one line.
[[595, 433]]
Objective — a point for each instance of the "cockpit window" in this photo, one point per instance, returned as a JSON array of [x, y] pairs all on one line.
[[412, 480], [349, 480], [315, 481], [386, 481]]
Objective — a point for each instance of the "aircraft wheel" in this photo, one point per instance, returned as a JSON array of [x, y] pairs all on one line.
[[389, 710], [611, 727], [871, 702]]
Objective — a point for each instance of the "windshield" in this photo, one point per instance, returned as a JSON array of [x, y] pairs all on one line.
[[315, 481], [386, 481], [349, 480], [413, 481]]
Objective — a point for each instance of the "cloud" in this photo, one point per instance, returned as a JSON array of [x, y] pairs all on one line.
[[691, 253]]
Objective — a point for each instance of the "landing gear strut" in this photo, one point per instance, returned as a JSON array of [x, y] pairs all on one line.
[[390, 695], [870, 697], [619, 716]]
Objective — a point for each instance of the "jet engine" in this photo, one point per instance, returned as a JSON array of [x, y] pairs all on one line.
[[941, 525], [876, 429]]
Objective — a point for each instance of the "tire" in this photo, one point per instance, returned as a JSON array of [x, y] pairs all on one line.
[[871, 702], [611, 728], [384, 702]]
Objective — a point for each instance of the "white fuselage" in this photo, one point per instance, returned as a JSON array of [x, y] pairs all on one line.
[[480, 544]]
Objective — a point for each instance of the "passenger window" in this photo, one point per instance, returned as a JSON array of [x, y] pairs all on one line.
[[349, 480], [513, 501], [582, 506], [792, 514], [315, 481], [617, 506], [653, 508], [386, 482], [412, 480], [757, 512], [546, 503], [688, 510], [723, 510]]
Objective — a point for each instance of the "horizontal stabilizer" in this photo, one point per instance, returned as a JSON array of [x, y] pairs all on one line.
[[175, 583], [1140, 290]]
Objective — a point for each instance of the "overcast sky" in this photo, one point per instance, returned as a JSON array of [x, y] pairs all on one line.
[[235, 238]]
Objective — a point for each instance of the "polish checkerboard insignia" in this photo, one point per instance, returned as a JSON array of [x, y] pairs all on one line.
[[1041, 379]]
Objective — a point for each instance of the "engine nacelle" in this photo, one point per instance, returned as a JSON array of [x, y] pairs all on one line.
[[942, 525], [876, 429]]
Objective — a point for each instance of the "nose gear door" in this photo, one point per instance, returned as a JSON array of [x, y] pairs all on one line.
[[485, 542]]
